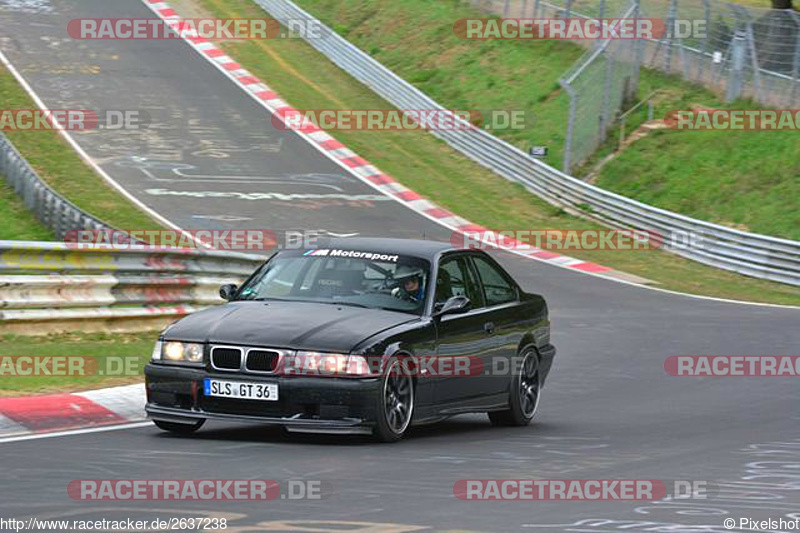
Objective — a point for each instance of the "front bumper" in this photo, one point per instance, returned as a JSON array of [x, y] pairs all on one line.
[[305, 404]]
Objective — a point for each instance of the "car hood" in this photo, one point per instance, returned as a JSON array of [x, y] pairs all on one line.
[[290, 325]]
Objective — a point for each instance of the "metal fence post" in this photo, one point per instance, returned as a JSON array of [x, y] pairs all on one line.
[[573, 110], [605, 116], [736, 73], [706, 42], [796, 64], [639, 45], [671, 16], [568, 9], [751, 44]]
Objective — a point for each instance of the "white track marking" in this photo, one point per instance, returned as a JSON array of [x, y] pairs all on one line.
[[71, 432], [88, 160]]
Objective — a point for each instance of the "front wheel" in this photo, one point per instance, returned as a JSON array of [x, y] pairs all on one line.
[[177, 427], [524, 395], [395, 405]]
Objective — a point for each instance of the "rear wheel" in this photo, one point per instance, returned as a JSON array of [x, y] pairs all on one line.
[[396, 403], [524, 395], [177, 427]]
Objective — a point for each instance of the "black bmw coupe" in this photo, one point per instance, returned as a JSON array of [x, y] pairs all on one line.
[[364, 336]]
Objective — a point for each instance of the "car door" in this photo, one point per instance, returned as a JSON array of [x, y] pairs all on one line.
[[464, 334], [504, 311]]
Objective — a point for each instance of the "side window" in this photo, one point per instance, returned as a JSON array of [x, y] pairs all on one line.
[[495, 286], [449, 281], [456, 279]]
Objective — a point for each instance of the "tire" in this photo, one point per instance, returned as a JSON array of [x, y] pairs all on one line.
[[176, 427], [395, 404], [525, 392]]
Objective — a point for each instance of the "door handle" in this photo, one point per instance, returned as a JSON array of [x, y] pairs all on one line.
[[489, 328]]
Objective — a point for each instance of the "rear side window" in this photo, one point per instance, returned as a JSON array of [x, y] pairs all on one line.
[[456, 279], [496, 288]]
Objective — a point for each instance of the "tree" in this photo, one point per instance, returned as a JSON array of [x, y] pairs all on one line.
[[782, 4]]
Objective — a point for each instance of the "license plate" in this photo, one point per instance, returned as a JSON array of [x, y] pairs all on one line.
[[267, 392]]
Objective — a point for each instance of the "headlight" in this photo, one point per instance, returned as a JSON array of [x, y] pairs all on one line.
[[181, 352], [326, 364]]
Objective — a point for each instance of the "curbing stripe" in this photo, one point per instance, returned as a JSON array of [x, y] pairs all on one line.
[[10, 428], [56, 412], [31, 415], [126, 402]]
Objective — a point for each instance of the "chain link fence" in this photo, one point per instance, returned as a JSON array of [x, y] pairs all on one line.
[[751, 254], [599, 85], [737, 51]]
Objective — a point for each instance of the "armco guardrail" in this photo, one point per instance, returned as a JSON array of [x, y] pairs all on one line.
[[50, 208], [51, 284], [751, 254]]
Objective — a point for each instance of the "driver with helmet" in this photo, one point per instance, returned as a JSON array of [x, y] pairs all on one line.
[[409, 280]]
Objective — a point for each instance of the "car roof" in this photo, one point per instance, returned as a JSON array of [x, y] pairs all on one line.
[[410, 247]]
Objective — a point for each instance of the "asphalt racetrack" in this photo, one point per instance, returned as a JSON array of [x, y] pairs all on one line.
[[609, 410]]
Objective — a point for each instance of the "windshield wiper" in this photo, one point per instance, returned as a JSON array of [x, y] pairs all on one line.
[[351, 304]]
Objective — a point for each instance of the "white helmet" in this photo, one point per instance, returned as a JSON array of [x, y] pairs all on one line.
[[407, 272]]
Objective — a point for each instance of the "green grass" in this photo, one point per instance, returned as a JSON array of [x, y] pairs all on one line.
[[746, 180], [742, 179], [61, 167], [16, 222], [308, 81], [133, 349], [415, 39]]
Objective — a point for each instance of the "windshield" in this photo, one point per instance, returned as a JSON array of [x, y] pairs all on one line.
[[344, 277]]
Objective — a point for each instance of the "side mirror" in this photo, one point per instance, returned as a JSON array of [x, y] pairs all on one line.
[[453, 306], [227, 292]]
